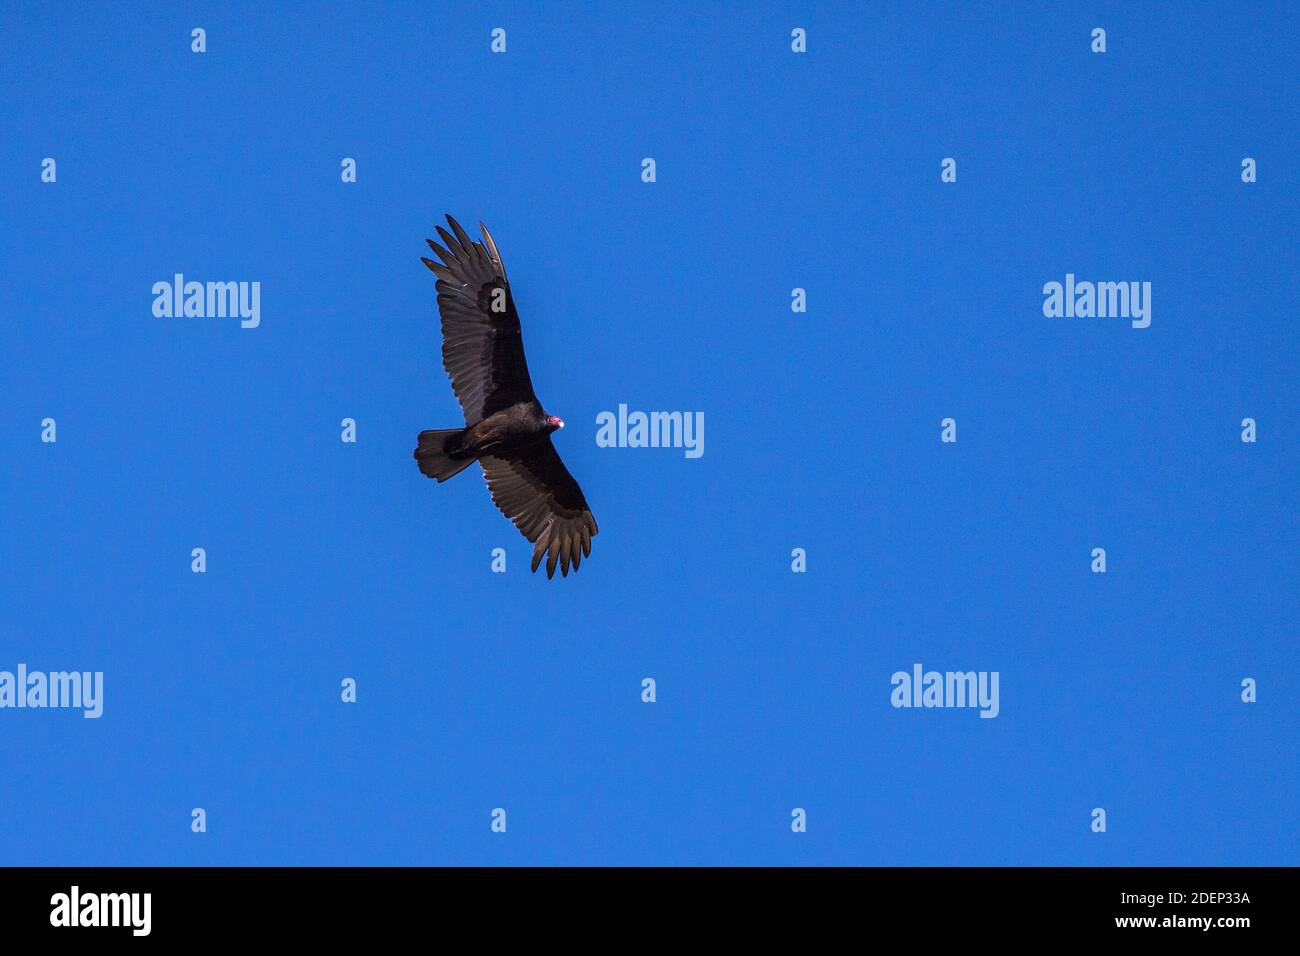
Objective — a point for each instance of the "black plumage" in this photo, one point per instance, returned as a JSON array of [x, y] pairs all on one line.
[[506, 429]]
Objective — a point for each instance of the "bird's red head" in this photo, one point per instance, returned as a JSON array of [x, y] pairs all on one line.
[[555, 421]]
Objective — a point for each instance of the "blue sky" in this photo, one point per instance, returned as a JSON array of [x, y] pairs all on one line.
[[774, 171]]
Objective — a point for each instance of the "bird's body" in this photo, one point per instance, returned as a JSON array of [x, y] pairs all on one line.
[[506, 429], [517, 427]]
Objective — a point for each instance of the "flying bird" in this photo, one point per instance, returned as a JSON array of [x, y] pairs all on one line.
[[506, 429]]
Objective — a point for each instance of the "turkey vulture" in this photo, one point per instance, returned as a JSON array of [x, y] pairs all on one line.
[[506, 431]]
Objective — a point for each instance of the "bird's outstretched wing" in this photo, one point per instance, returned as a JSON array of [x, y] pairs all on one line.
[[482, 347], [537, 493]]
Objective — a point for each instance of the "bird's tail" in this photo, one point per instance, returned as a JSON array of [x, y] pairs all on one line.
[[438, 453]]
